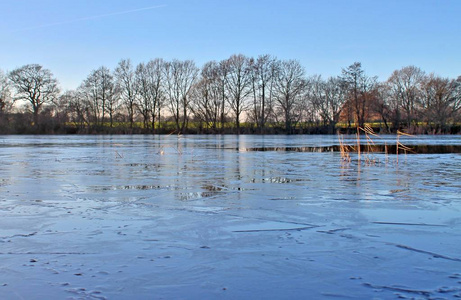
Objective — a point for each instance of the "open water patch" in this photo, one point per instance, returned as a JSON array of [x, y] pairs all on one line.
[[390, 149]]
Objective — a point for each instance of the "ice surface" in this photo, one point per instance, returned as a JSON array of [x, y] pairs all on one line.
[[200, 217]]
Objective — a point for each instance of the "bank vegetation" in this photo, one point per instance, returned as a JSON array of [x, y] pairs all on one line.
[[261, 95]]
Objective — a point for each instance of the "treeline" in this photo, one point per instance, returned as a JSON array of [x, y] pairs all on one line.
[[237, 95]]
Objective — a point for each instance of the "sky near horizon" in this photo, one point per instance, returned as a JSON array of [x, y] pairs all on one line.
[[72, 38]]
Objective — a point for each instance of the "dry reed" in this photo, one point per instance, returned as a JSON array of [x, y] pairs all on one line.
[[370, 137], [402, 146]]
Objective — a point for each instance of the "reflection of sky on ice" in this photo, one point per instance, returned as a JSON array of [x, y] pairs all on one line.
[[202, 216]]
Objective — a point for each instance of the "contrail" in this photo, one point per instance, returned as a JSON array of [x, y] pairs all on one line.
[[89, 18]]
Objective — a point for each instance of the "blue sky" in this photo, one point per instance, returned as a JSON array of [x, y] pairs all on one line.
[[73, 37]]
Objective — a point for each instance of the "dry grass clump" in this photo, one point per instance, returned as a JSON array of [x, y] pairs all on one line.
[[178, 147], [400, 145], [369, 133], [365, 152], [344, 150]]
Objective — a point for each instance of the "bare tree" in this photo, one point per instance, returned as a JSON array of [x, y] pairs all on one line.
[[238, 85], [359, 87], [457, 99], [35, 85], [223, 71], [144, 101], [380, 104], [438, 100], [78, 108], [60, 112], [327, 98], [109, 93], [316, 96], [206, 95], [5, 101], [100, 91], [149, 85], [263, 71], [289, 87], [5, 94], [125, 76], [405, 93], [335, 99], [180, 76], [304, 112], [88, 97]]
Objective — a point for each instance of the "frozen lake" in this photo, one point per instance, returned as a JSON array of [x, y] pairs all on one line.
[[226, 217]]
